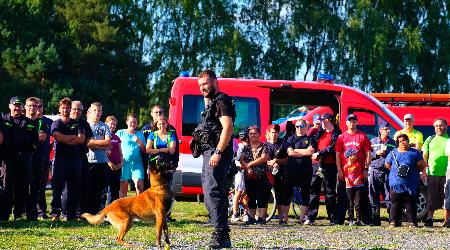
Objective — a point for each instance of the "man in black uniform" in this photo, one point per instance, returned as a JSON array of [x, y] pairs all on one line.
[[24, 140], [3, 155], [45, 149], [37, 188], [213, 137]]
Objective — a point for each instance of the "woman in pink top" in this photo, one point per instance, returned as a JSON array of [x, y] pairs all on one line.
[[115, 162]]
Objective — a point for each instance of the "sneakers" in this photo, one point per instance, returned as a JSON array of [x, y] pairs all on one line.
[[261, 221], [250, 221], [282, 223], [245, 217], [355, 223], [54, 217], [428, 222], [412, 225], [446, 224], [43, 216], [235, 218], [393, 224], [308, 222]]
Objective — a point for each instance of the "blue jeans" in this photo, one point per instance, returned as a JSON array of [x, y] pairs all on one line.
[[215, 189]]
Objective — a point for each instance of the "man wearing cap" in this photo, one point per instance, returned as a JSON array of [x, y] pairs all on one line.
[[434, 156], [358, 140], [317, 121], [325, 160], [415, 136], [24, 140], [378, 173]]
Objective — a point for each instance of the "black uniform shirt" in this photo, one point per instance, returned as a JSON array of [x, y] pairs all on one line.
[[23, 134], [69, 128], [299, 142]]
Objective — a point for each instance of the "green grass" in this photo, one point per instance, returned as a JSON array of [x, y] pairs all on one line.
[[189, 231]]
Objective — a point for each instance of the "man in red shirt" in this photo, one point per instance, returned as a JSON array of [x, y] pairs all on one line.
[[351, 139]]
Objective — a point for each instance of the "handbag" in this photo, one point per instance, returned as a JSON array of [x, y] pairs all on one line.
[[402, 169]]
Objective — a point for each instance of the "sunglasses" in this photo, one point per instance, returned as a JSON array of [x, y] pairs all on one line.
[[300, 126], [158, 112]]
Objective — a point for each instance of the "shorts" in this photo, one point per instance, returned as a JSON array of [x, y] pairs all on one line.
[[132, 171], [239, 182], [435, 192]]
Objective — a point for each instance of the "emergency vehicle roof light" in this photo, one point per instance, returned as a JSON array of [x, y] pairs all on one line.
[[326, 77], [184, 74]]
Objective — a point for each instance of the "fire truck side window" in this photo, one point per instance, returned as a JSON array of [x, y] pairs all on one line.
[[247, 111]]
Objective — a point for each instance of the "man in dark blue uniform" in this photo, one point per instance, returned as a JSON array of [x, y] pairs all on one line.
[[378, 173], [213, 135], [24, 141], [67, 164], [37, 188], [45, 149]]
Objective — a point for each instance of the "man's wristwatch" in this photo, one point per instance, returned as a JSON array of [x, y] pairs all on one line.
[[217, 152]]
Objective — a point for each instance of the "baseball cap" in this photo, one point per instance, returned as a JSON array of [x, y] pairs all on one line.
[[384, 124], [351, 116], [350, 152], [327, 116], [316, 118], [15, 101], [408, 116]]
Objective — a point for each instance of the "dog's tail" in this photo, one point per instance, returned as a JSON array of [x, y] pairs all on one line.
[[95, 219]]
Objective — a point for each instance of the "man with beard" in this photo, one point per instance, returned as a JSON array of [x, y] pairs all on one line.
[[214, 134], [67, 164], [36, 188]]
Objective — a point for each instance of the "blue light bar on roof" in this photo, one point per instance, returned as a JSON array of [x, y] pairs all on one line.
[[325, 77], [184, 73]]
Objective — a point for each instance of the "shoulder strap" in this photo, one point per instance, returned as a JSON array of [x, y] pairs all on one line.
[[395, 158], [429, 139]]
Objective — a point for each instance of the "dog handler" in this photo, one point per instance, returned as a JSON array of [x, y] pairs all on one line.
[[213, 140]]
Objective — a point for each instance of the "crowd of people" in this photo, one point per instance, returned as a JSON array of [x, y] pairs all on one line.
[[92, 164], [353, 170]]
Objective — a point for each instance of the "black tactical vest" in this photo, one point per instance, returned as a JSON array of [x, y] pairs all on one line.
[[210, 126]]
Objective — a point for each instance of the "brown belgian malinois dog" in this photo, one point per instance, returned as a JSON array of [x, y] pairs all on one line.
[[153, 204]]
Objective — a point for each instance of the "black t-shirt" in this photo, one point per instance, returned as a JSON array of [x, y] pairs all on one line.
[[45, 146], [43, 150], [70, 128], [299, 142], [23, 134], [225, 108]]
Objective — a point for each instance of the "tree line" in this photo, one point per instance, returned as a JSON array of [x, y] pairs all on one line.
[[125, 54]]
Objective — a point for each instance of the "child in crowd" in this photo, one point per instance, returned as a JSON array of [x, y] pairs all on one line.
[[354, 182], [239, 181]]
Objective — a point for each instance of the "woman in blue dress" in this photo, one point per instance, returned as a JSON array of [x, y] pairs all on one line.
[[132, 145], [405, 164]]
